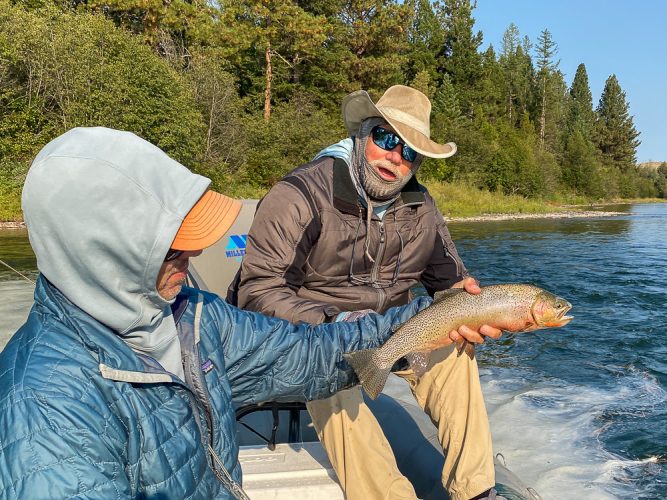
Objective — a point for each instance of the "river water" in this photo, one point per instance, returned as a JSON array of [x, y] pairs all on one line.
[[577, 412]]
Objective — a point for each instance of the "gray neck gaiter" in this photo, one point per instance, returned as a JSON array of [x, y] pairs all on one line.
[[377, 188]]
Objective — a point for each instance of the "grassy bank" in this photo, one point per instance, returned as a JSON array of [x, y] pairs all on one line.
[[10, 205], [460, 200], [453, 199]]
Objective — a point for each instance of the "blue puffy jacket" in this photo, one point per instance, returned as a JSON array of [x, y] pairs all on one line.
[[82, 415]]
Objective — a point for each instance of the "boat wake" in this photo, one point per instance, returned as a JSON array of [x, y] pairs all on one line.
[[551, 432]]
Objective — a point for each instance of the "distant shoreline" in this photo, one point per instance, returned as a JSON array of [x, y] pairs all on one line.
[[565, 214], [12, 225]]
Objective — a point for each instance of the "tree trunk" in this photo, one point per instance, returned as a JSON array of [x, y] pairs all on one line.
[[543, 114], [269, 77], [510, 106]]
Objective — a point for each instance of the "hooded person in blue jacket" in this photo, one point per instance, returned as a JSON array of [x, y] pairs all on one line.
[[122, 381]]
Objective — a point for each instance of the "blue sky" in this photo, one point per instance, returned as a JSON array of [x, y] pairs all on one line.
[[626, 38]]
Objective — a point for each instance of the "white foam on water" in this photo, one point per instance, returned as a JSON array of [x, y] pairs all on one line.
[[548, 433], [15, 301]]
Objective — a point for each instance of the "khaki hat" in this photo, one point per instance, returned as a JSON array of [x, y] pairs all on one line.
[[206, 222], [406, 109]]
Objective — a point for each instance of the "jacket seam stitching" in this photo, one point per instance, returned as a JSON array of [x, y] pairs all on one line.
[[174, 471]]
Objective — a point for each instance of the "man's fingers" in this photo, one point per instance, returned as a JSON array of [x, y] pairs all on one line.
[[470, 335], [489, 331], [477, 337], [470, 285]]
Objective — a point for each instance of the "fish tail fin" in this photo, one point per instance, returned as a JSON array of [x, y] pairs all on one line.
[[371, 375]]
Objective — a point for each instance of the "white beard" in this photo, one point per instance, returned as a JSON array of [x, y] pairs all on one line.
[[378, 188]]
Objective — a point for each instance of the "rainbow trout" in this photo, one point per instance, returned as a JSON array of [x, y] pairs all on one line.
[[513, 308]]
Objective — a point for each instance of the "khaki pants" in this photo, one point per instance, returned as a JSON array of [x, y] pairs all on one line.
[[451, 394]]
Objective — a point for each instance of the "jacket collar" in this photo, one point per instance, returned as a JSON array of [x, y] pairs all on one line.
[[346, 198], [117, 361]]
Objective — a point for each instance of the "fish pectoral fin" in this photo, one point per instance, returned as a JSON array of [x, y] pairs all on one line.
[[418, 361], [443, 294], [467, 347]]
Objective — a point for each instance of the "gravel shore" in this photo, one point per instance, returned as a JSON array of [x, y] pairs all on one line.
[[12, 225], [566, 214]]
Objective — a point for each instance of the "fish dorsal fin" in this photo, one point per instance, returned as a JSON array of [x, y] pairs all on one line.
[[443, 294], [418, 361]]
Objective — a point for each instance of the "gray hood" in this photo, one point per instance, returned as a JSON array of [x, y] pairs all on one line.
[[102, 208]]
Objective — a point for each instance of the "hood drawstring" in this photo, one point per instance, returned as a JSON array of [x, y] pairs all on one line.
[[358, 166]]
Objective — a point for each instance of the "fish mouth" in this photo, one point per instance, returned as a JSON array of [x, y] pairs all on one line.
[[551, 312], [563, 321], [562, 318]]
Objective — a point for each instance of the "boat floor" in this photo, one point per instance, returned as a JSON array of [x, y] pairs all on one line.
[[302, 471]]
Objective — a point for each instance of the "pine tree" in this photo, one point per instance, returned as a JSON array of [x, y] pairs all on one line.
[[580, 164], [461, 59], [581, 170], [263, 32], [525, 81], [580, 104], [446, 124], [375, 33], [616, 134], [426, 35], [546, 50], [492, 86], [509, 63], [518, 70]]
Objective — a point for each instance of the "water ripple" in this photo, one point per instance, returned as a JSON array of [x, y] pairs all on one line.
[[591, 397]]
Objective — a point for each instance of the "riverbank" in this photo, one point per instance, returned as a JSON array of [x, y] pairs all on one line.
[[457, 201], [565, 214], [12, 225]]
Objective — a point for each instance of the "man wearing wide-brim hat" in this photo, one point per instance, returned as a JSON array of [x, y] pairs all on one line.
[[123, 382], [353, 232]]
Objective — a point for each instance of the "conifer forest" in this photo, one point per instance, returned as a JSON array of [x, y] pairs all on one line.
[[242, 91]]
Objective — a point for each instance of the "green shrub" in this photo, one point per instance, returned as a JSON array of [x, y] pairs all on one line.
[[65, 70]]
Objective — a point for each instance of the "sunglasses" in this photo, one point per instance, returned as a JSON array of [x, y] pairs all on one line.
[[173, 254], [388, 140]]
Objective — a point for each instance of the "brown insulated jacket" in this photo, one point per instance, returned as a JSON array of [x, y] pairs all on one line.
[[305, 250]]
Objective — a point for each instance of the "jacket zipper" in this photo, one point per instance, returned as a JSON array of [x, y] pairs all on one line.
[[217, 464], [375, 272], [378, 256], [457, 262]]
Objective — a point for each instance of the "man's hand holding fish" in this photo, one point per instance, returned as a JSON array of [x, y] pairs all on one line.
[[464, 332], [510, 307]]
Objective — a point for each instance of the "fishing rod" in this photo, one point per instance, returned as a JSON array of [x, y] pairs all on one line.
[[17, 272]]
